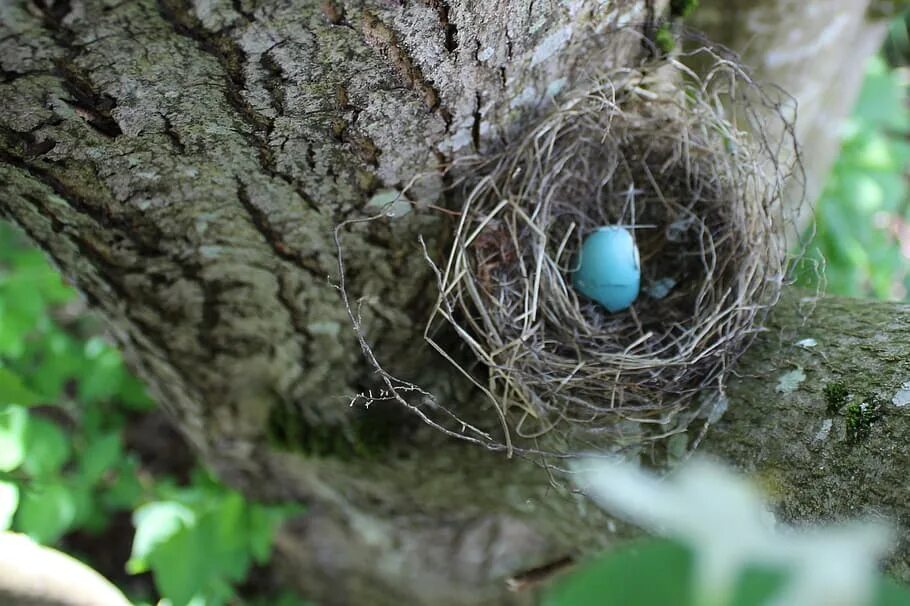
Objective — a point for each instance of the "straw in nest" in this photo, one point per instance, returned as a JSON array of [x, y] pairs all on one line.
[[695, 169]]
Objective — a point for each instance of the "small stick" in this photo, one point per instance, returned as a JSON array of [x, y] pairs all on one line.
[[539, 575]]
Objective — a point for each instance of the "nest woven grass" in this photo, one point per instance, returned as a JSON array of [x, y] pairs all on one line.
[[696, 169]]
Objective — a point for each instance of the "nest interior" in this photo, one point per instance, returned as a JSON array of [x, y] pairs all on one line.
[[687, 165]]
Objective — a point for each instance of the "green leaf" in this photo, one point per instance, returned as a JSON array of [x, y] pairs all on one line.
[[656, 572], [37, 275], [9, 502], [264, 522], [891, 593], [47, 448], [12, 391], [653, 572], [103, 379], [46, 511], [156, 523], [57, 362], [865, 190], [125, 492], [13, 423], [881, 101], [22, 300], [182, 567], [90, 515], [102, 454], [12, 332], [227, 525], [646, 573], [757, 586], [204, 558], [133, 394]]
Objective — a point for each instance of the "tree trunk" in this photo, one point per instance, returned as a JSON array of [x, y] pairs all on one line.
[[185, 164]]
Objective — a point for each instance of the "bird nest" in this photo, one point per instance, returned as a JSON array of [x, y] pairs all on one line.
[[696, 169]]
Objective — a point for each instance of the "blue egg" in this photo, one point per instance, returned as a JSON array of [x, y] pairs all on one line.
[[608, 268]]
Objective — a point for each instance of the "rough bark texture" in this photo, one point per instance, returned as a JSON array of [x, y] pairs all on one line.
[[788, 425], [185, 163]]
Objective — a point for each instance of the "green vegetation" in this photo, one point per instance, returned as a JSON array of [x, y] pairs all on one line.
[[835, 396], [682, 8], [653, 572], [664, 38], [70, 465], [860, 416], [657, 572], [863, 216]]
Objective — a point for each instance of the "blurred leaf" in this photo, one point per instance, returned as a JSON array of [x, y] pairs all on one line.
[[626, 577], [33, 272], [9, 501], [156, 523], [652, 572], [757, 586], [57, 362], [133, 394], [891, 593], [12, 332], [86, 514], [881, 98], [13, 423], [21, 300], [215, 549], [46, 446], [865, 192], [655, 572], [12, 391], [875, 153], [46, 511], [95, 347], [264, 522], [101, 455], [125, 491], [103, 379], [181, 567], [226, 530]]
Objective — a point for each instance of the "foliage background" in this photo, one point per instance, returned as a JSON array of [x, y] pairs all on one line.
[[88, 466], [862, 239]]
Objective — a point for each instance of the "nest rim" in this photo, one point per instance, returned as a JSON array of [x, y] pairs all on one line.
[[520, 334]]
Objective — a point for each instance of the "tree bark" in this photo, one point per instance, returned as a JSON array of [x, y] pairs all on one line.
[[185, 164], [786, 425]]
